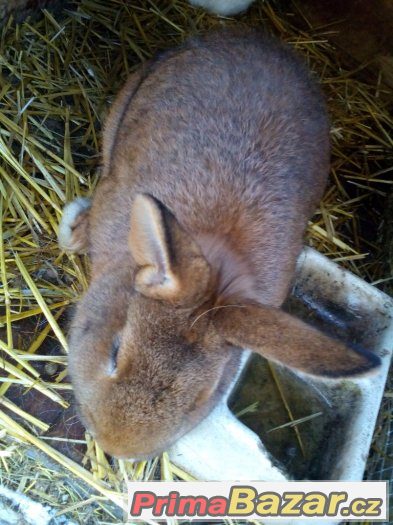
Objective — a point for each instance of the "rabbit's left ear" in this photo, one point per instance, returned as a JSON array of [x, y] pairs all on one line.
[[286, 340]]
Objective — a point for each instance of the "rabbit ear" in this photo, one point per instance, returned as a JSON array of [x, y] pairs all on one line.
[[171, 266], [288, 341], [149, 245]]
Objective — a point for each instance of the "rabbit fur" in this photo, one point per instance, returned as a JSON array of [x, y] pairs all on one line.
[[215, 156]]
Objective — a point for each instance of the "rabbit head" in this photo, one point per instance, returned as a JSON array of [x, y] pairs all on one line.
[[143, 370], [153, 346]]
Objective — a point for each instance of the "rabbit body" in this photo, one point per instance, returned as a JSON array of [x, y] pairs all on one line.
[[215, 156], [232, 138]]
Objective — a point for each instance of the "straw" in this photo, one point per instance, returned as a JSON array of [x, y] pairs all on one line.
[[58, 74]]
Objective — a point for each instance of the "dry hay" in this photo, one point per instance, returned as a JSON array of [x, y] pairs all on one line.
[[58, 75]]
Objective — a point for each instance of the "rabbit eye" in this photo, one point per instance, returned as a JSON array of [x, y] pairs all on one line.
[[114, 353]]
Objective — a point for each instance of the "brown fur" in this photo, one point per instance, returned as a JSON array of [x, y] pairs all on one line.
[[216, 154]]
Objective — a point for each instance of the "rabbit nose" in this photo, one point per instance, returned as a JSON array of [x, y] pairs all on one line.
[[125, 449]]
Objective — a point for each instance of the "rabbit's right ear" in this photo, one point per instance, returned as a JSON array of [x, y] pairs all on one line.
[[149, 245], [286, 340], [170, 264]]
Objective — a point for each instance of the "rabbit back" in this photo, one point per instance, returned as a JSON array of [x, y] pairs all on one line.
[[230, 133]]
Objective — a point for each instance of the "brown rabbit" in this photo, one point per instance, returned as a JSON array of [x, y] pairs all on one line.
[[215, 156]]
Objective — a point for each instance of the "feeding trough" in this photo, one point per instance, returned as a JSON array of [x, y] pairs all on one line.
[[339, 416]]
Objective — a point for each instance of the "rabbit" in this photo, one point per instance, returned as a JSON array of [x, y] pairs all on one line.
[[215, 156], [223, 7]]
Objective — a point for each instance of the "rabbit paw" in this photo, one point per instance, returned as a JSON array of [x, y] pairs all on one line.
[[73, 227]]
